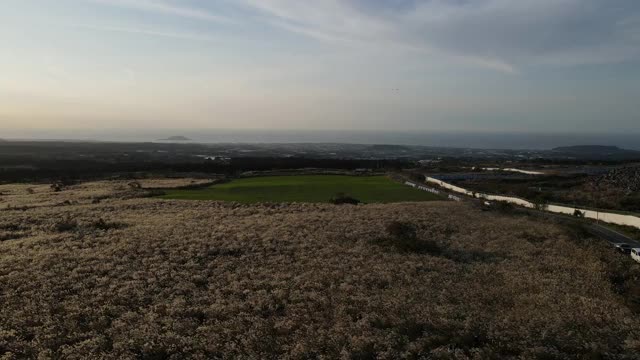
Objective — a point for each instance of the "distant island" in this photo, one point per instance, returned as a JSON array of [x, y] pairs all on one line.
[[176, 138]]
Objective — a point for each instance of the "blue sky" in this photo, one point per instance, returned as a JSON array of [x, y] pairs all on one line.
[[474, 65]]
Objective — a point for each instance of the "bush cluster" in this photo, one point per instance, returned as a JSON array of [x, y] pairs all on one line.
[[66, 224], [341, 199], [403, 236]]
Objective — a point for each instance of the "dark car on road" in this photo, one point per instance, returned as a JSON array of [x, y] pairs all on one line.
[[623, 248]]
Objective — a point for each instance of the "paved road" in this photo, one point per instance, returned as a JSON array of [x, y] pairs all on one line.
[[600, 231], [611, 236]]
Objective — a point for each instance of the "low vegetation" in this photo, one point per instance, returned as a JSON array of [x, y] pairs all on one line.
[[342, 199], [156, 279], [25, 196], [311, 188], [66, 224], [403, 236]]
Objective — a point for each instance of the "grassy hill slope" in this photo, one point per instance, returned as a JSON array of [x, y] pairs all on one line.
[[155, 279]]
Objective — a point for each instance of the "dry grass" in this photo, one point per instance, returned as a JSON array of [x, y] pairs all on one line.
[[23, 196], [177, 280]]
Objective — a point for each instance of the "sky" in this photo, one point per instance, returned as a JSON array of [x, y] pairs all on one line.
[[378, 65]]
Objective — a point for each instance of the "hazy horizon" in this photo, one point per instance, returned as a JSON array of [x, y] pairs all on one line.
[[537, 66], [459, 139]]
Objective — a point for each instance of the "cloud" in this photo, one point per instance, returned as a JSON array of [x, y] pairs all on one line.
[[526, 32], [503, 35], [149, 32], [334, 19], [167, 8]]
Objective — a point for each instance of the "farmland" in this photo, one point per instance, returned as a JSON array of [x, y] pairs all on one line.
[[312, 188]]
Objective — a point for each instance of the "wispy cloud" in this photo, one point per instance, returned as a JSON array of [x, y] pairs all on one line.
[[325, 20], [502, 35], [310, 32], [148, 32], [167, 8], [339, 21]]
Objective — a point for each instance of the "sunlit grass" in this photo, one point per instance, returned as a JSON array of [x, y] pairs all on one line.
[[311, 188]]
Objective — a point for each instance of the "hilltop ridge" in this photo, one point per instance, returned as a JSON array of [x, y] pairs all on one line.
[[588, 148]]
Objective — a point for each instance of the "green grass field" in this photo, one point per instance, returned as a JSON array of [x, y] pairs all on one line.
[[312, 188]]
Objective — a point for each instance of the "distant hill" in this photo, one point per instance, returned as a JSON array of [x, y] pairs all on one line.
[[589, 148], [176, 138], [598, 152]]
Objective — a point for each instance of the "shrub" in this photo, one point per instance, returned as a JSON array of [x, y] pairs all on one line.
[[12, 227], [624, 280], [59, 185], [341, 199], [541, 206], [153, 193], [137, 194], [404, 237], [135, 185], [101, 224], [66, 224], [630, 202], [401, 230], [577, 232], [416, 177], [504, 207], [533, 237]]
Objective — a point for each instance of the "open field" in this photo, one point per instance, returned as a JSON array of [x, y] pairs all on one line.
[[312, 188], [132, 278]]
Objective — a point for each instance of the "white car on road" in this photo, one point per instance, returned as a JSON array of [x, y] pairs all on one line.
[[635, 254]]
